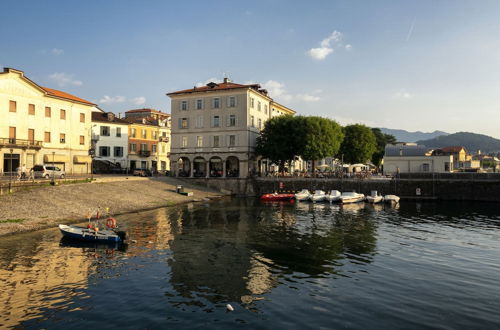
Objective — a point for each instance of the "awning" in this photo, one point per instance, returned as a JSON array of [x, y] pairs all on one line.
[[82, 159], [49, 158]]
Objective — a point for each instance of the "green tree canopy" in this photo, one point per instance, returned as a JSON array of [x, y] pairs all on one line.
[[320, 137], [382, 140], [359, 144], [278, 141]]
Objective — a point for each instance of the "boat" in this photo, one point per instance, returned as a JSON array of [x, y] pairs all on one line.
[[318, 196], [351, 197], [303, 195], [393, 199], [374, 198], [91, 234], [277, 197], [333, 196]]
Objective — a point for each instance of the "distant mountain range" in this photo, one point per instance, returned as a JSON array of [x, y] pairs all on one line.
[[471, 141], [405, 136]]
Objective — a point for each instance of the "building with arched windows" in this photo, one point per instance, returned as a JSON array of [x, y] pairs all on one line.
[[215, 128]]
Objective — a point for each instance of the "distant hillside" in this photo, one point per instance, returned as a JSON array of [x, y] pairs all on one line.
[[405, 136], [471, 141]]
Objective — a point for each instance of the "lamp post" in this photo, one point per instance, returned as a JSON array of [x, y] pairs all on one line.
[[10, 177], [53, 182]]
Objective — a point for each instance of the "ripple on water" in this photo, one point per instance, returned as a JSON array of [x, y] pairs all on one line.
[[279, 265]]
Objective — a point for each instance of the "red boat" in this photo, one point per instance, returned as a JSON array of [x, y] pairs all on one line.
[[277, 197]]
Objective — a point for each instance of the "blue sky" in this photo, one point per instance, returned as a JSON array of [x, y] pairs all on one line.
[[415, 65]]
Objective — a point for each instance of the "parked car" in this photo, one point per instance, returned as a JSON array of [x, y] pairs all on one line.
[[47, 172], [142, 172]]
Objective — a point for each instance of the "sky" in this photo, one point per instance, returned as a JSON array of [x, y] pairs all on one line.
[[414, 65]]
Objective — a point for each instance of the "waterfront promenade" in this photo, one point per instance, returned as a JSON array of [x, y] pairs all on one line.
[[48, 206]]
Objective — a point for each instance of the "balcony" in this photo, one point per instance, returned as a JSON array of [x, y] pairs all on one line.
[[144, 153], [20, 143], [163, 139]]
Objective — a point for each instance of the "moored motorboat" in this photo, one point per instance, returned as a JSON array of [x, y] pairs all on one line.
[[277, 197], [374, 198], [351, 197], [393, 199], [92, 234], [318, 196], [333, 196], [303, 195]]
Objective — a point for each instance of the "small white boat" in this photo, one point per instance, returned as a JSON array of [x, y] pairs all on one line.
[[393, 199], [374, 198], [318, 196], [351, 197], [333, 196], [303, 195]]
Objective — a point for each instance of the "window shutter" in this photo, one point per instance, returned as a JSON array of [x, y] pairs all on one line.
[[180, 122], [228, 101], [227, 120]]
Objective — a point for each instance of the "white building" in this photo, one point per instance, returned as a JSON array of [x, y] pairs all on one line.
[[413, 158], [110, 138]]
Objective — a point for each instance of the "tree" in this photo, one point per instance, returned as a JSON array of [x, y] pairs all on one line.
[[359, 144], [382, 140], [278, 141], [318, 137]]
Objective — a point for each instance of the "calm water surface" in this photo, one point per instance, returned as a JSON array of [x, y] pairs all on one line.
[[279, 265]]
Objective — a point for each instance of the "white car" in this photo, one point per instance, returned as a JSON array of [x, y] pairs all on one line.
[[48, 172]]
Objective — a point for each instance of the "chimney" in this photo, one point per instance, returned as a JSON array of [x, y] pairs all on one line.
[[226, 80]]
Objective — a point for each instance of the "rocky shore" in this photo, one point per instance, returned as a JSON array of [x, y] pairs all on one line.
[[49, 206]]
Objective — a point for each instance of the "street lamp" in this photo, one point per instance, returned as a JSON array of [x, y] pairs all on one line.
[[10, 178], [53, 169]]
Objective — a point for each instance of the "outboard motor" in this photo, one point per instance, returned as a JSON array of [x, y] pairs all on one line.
[[122, 234]]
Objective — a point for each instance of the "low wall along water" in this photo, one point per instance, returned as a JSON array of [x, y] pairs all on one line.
[[423, 186]]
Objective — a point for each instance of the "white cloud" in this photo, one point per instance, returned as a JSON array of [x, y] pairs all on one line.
[[215, 80], [308, 97], [63, 79], [320, 53], [139, 100], [277, 90], [106, 99], [403, 94], [57, 51], [328, 46]]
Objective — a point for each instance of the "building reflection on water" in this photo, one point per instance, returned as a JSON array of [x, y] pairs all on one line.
[[240, 251], [37, 275], [217, 252]]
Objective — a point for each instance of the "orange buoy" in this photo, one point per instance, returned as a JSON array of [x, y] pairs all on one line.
[[111, 222]]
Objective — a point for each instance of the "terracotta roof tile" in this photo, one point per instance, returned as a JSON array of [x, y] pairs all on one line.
[[215, 87], [103, 117], [452, 149], [64, 95]]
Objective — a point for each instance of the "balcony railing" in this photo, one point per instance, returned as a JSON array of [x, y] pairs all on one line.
[[20, 143], [144, 153]]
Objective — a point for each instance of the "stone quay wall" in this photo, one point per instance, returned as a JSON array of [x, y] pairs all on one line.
[[421, 186]]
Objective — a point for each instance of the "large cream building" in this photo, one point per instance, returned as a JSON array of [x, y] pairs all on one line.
[[40, 125], [215, 127]]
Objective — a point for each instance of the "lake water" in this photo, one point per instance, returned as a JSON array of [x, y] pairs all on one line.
[[281, 266]]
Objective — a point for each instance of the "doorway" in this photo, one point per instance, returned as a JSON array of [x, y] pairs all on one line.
[[11, 162]]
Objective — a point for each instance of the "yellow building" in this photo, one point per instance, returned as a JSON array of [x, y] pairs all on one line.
[[40, 125], [149, 139]]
